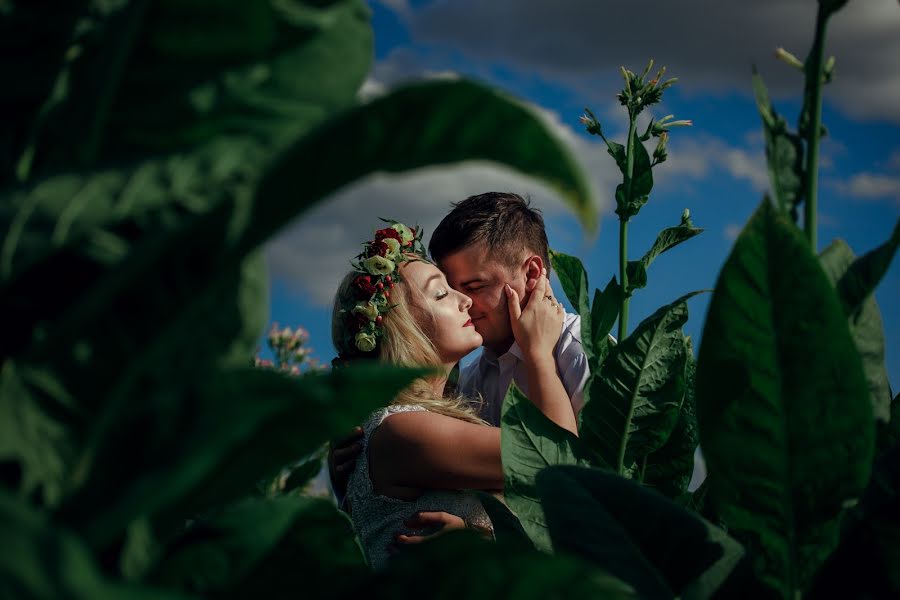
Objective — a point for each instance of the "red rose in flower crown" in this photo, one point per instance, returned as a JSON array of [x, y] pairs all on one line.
[[377, 248], [388, 232], [364, 286]]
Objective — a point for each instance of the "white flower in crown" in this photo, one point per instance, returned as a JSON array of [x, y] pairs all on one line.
[[365, 341], [405, 232], [393, 248], [368, 309], [378, 265]]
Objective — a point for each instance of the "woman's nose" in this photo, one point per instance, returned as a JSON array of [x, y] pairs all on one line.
[[465, 302]]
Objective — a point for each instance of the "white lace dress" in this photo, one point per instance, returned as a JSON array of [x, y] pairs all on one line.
[[378, 518]]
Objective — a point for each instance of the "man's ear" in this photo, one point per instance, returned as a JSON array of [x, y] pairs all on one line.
[[534, 267]]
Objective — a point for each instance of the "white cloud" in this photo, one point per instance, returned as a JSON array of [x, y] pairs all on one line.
[[709, 44], [871, 186], [732, 231]]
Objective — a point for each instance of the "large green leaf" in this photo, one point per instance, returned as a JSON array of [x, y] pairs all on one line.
[[507, 527], [604, 312], [667, 239], [669, 469], [264, 547], [630, 201], [574, 282], [865, 326], [529, 442], [785, 422], [461, 565], [237, 427], [420, 125], [635, 398], [861, 278], [636, 534], [43, 561], [784, 152]]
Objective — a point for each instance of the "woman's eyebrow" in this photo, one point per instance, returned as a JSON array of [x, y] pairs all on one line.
[[430, 279]]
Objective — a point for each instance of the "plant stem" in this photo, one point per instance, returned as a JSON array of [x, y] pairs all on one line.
[[623, 277], [623, 229], [813, 94]]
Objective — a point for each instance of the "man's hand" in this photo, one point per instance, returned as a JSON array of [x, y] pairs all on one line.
[[444, 522], [342, 457]]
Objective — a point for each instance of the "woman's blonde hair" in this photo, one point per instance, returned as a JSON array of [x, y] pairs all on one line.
[[405, 342]]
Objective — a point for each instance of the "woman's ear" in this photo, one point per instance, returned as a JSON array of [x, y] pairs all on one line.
[[534, 268]]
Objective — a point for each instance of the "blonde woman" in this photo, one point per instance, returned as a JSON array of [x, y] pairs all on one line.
[[417, 453]]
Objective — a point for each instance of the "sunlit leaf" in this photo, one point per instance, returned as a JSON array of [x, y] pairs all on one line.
[[529, 442]]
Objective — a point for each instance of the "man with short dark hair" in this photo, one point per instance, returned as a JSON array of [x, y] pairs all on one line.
[[486, 242]]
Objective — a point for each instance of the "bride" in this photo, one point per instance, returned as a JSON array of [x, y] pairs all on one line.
[[428, 445]]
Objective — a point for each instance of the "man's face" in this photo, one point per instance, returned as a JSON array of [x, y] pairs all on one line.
[[476, 274]]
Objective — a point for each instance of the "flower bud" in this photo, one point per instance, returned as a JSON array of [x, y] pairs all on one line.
[[788, 58]]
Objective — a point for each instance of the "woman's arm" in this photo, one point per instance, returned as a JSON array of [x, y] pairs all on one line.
[[426, 450], [536, 329]]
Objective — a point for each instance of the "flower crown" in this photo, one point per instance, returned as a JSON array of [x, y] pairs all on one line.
[[377, 266]]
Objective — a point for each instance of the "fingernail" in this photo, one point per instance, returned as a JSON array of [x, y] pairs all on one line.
[[544, 271]]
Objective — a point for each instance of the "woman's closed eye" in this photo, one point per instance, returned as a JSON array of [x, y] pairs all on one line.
[[441, 294]]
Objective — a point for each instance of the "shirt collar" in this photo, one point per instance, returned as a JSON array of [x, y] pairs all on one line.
[[494, 359]]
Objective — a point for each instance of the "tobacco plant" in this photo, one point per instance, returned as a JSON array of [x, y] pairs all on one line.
[[791, 403]]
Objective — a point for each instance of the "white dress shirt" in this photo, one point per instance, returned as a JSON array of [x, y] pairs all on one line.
[[491, 375]]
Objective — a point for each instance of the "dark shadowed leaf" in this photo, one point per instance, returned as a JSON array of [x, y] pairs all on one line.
[[630, 201], [785, 420], [261, 547], [243, 424], [461, 565], [574, 282], [859, 281], [636, 534], [49, 562], [866, 327], [669, 469], [889, 433], [529, 442], [784, 152], [507, 528], [635, 398], [604, 312]]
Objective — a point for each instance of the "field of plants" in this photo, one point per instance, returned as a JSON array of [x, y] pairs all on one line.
[[150, 148]]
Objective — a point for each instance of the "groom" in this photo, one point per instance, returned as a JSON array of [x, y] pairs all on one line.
[[484, 243]]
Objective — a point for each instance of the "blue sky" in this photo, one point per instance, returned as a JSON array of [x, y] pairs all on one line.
[[560, 57]]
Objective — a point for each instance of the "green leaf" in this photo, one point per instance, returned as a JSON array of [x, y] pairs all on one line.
[[50, 562], [420, 125], [240, 425], [641, 184], [264, 547], [859, 281], [482, 569], [635, 398], [864, 319], [644, 539], [667, 239], [785, 422], [604, 312], [669, 469], [784, 152], [529, 441], [508, 529], [574, 282], [889, 433], [870, 541]]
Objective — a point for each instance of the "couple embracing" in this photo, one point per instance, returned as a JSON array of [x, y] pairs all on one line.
[[408, 467]]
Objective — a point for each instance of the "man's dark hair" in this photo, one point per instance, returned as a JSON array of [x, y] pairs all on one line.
[[505, 222]]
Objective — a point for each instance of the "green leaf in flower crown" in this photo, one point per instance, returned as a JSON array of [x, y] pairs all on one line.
[[784, 152], [264, 546], [864, 319], [628, 205], [785, 419], [669, 469], [574, 282], [529, 441], [639, 536], [50, 562], [636, 396], [667, 239]]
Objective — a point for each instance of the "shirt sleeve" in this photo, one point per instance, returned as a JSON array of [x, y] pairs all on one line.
[[575, 372]]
